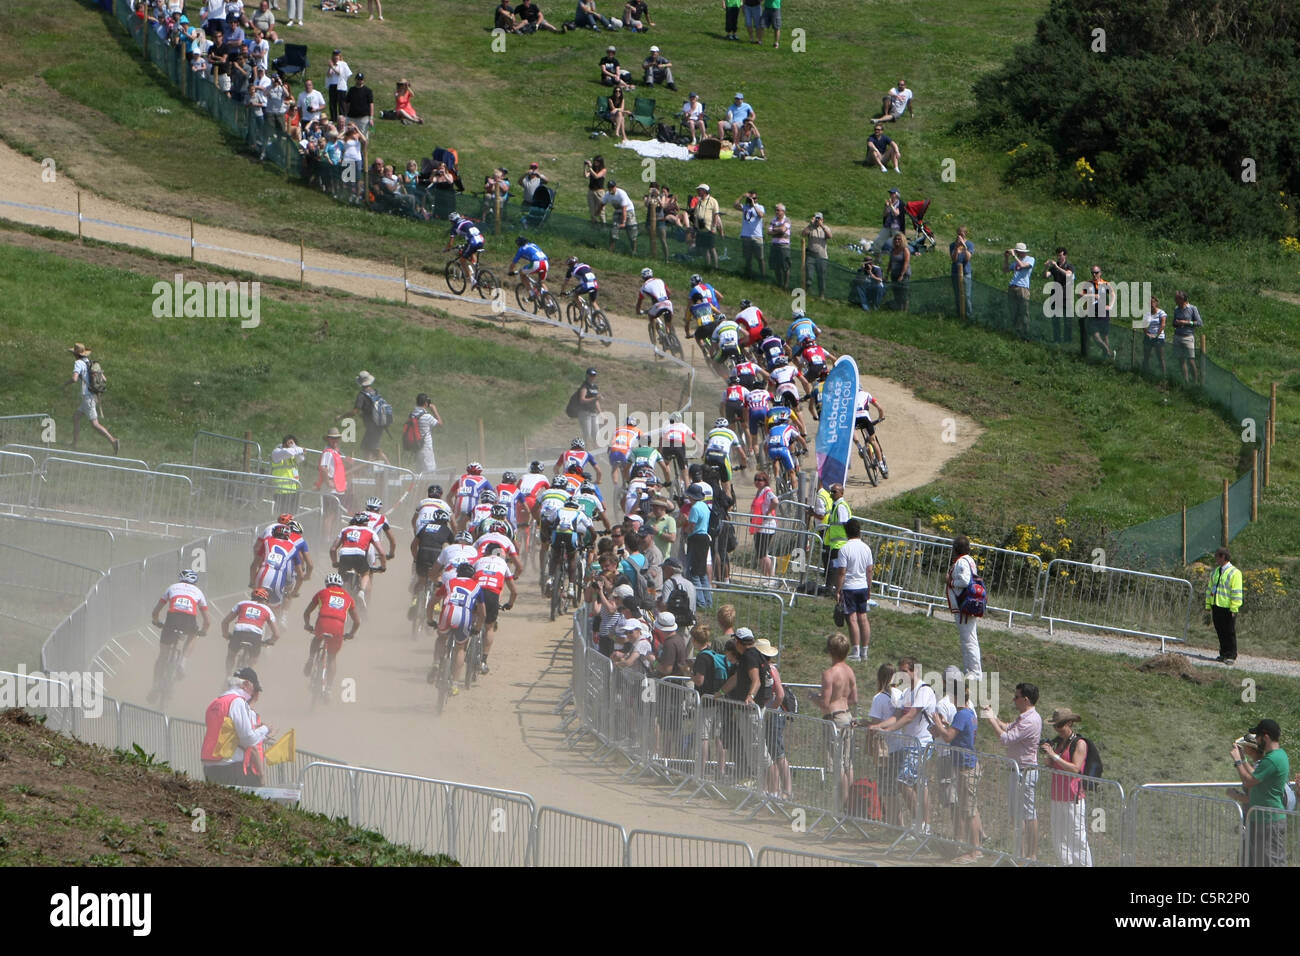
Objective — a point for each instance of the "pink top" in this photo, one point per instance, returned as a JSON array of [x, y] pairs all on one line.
[[404, 101], [1066, 789], [1022, 737]]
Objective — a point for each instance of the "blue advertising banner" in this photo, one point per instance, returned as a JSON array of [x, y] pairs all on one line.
[[835, 433]]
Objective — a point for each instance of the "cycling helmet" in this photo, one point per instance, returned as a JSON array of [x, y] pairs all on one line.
[[464, 537], [578, 444], [719, 423], [631, 420], [521, 241], [280, 531], [534, 467], [695, 472], [573, 469], [651, 479], [765, 332], [435, 491], [733, 379], [261, 594], [474, 468], [454, 218], [573, 502], [374, 504], [675, 418], [295, 528], [442, 516], [587, 488], [647, 273], [361, 518], [189, 576], [487, 497], [334, 580], [559, 482], [509, 478], [499, 527], [285, 518], [697, 279], [779, 361], [465, 569], [571, 261], [499, 511]]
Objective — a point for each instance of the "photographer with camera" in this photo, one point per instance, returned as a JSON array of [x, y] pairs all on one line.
[[751, 230], [594, 170]]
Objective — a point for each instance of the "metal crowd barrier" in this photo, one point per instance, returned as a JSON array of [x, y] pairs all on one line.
[[653, 848], [1271, 838], [771, 856], [214, 450], [42, 453], [18, 475], [23, 429], [571, 839], [972, 802], [761, 611], [1114, 599], [789, 548], [1176, 827], [227, 497], [41, 589], [1080, 819], [63, 540], [125, 497]]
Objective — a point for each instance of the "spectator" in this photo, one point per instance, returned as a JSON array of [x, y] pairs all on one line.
[[900, 272], [698, 543], [426, 418], [839, 691], [958, 732], [771, 19], [818, 234], [293, 122], [89, 406], [664, 527], [708, 674], [654, 559], [618, 113], [960, 251], [374, 6], [1187, 319], [587, 17], [1021, 738], [1067, 753], [658, 69], [505, 18], [637, 649], [751, 683], [363, 410], [960, 574], [242, 765], [331, 476], [286, 459], [836, 516], [868, 287], [1223, 594], [213, 17], [708, 224], [693, 118], [779, 229], [737, 113], [264, 20], [1097, 300], [496, 190], [402, 108], [672, 649], [278, 99], [751, 143], [753, 18], [883, 705], [337, 75], [1265, 783], [588, 407], [751, 230], [594, 170], [354, 145], [916, 705], [1061, 271], [295, 9], [893, 221], [624, 214], [854, 566], [530, 16], [360, 101], [893, 103], [732, 18], [1153, 341], [530, 181], [636, 16], [780, 783], [611, 74], [762, 524], [881, 149], [1018, 290]]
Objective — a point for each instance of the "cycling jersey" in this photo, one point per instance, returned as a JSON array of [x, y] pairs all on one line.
[[586, 277], [552, 501], [276, 572], [815, 357], [758, 400], [427, 509], [482, 513], [251, 617], [719, 442], [752, 319], [430, 540], [772, 349], [468, 233], [646, 455], [784, 377], [735, 395], [509, 495], [625, 438], [701, 311], [570, 525], [378, 521], [494, 537], [591, 505], [676, 435], [801, 329], [778, 415], [184, 599], [492, 572], [862, 407], [655, 290], [530, 485], [727, 334], [710, 294], [748, 374], [453, 555], [463, 595], [332, 605], [466, 491], [532, 252], [355, 541], [575, 456]]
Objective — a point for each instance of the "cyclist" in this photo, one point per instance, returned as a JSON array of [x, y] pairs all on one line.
[[472, 243], [786, 379], [817, 362], [577, 454], [862, 421], [593, 504], [483, 510], [509, 495], [533, 483], [802, 329], [646, 454], [771, 348], [251, 618], [660, 296], [750, 317], [276, 573], [466, 491], [459, 551], [706, 320], [334, 607], [726, 335], [573, 478], [584, 276], [492, 574], [621, 445], [497, 533], [535, 269], [378, 523], [184, 602], [639, 489], [430, 538], [462, 611], [717, 451], [783, 443], [428, 507], [549, 503], [733, 402], [673, 439], [572, 528], [300, 544], [351, 552], [708, 294], [751, 374], [758, 401]]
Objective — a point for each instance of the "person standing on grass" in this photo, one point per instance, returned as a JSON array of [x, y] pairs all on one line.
[[1265, 783], [1061, 271], [360, 105], [853, 587], [960, 575], [771, 20], [1097, 299], [1021, 738], [89, 407], [961, 250], [1021, 269], [732, 8], [959, 733], [818, 235], [779, 230], [1223, 595], [337, 75], [1187, 319], [426, 417], [1067, 754], [1154, 339]]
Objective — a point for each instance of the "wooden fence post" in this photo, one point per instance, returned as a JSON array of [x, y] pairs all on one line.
[[482, 445]]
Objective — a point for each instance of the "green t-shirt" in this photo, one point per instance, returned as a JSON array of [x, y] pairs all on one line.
[[1273, 771], [665, 525], [732, 3], [772, 4]]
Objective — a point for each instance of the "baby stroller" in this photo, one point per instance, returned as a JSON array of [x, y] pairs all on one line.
[[916, 211]]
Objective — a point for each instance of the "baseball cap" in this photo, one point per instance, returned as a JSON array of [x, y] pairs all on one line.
[[893, 192], [610, 49], [532, 166], [1269, 727], [248, 674], [744, 635], [361, 76], [740, 96], [704, 186], [818, 216], [339, 52], [654, 49], [672, 563], [610, 184]]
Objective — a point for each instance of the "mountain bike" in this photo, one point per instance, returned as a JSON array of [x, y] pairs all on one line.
[[662, 338], [485, 281], [441, 673], [319, 673], [424, 599], [173, 656], [867, 452], [537, 299], [352, 584], [250, 648], [582, 313]]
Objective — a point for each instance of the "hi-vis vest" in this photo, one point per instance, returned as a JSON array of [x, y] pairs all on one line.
[[1224, 588], [340, 479], [285, 473], [219, 739]]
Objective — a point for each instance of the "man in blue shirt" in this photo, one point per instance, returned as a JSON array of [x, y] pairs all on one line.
[[698, 543], [737, 113], [1021, 269], [751, 230], [959, 753]]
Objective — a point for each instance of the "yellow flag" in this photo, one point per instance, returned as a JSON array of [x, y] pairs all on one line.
[[284, 750]]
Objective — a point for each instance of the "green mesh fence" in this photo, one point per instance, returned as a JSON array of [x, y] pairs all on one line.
[[1150, 545], [1204, 528], [1239, 504]]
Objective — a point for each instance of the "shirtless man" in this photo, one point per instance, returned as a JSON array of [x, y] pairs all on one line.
[[839, 694]]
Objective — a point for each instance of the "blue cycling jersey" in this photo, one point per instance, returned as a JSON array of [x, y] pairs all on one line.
[[781, 435], [466, 230], [530, 251], [710, 294], [801, 329]]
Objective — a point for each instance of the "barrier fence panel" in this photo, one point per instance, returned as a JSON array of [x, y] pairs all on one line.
[[772, 856], [1166, 827], [1271, 838], [630, 711], [673, 739], [328, 789], [136, 500], [62, 540], [45, 695], [763, 612], [185, 744], [1113, 599], [776, 559], [102, 730], [365, 478], [652, 848], [598, 697], [24, 429], [1080, 819], [42, 453], [229, 497], [747, 756], [144, 728], [971, 794], [570, 839], [18, 475], [807, 768], [873, 763]]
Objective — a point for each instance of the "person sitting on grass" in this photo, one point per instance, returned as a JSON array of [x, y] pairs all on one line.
[[750, 145], [404, 111], [506, 19]]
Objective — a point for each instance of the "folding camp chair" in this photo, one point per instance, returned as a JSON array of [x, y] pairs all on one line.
[[602, 115], [294, 59], [538, 211], [643, 114]]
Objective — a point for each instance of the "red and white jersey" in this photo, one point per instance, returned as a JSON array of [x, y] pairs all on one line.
[[378, 521], [184, 598], [509, 495], [356, 539], [751, 318], [466, 491], [783, 377], [736, 393], [481, 512], [278, 564], [332, 606], [492, 572], [862, 407], [758, 399], [452, 555], [748, 370], [575, 456], [252, 617], [493, 537], [655, 290], [530, 485], [815, 356], [462, 594], [676, 435], [424, 514]]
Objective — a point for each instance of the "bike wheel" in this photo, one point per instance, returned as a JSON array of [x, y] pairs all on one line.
[[674, 344], [473, 653], [455, 277], [600, 325], [573, 312], [868, 455], [522, 300], [487, 283], [170, 673], [653, 331], [549, 306], [444, 673]]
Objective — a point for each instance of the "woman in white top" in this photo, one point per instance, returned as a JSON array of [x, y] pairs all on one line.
[[883, 706], [693, 115], [1154, 340]]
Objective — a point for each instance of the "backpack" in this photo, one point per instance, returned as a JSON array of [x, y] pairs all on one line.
[[864, 801], [720, 671], [572, 408], [665, 134], [679, 605], [381, 413], [766, 684], [97, 381], [411, 438], [636, 578], [1092, 766], [789, 703], [973, 599]]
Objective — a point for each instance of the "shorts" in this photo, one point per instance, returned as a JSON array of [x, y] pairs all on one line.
[[458, 619], [968, 784], [842, 719], [425, 561], [703, 239], [866, 424], [735, 410], [89, 407], [674, 453], [731, 352], [535, 269], [354, 562], [710, 723], [788, 396], [757, 416], [332, 635], [755, 336], [754, 16], [720, 462], [370, 441], [1101, 325], [910, 766], [617, 457], [587, 288], [174, 623], [491, 605], [781, 455], [763, 543], [1027, 793], [664, 308], [470, 249], [630, 227], [704, 333], [855, 600], [772, 18]]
